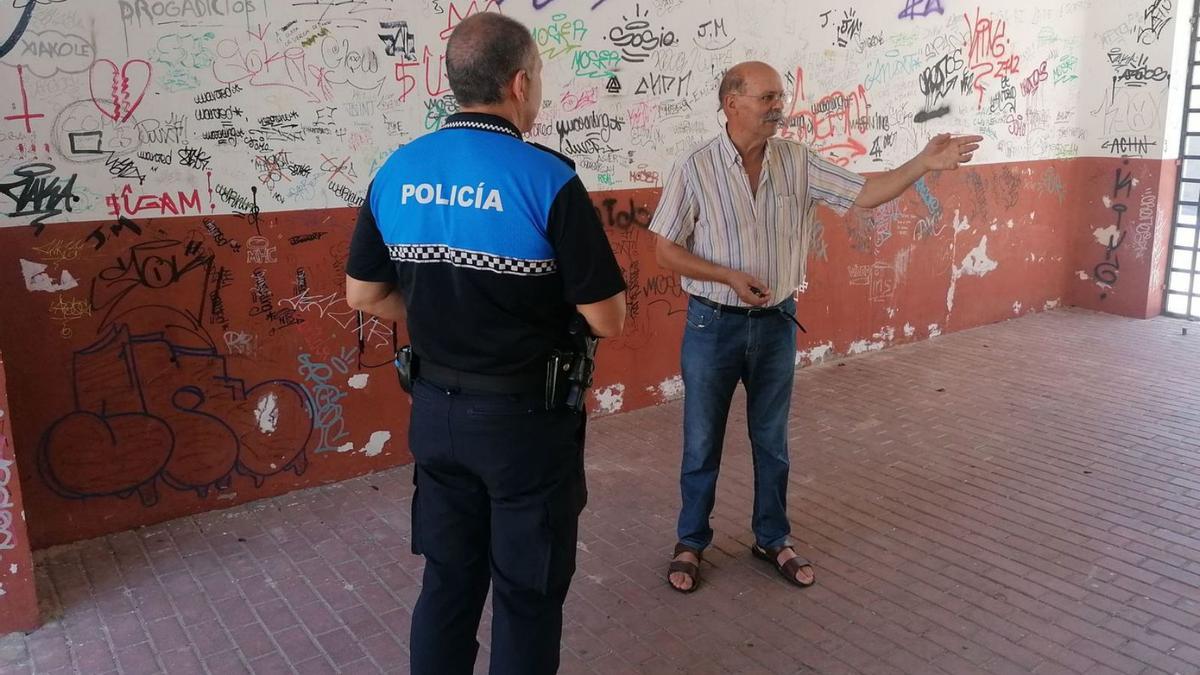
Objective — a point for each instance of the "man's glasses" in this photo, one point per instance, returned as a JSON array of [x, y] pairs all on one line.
[[770, 98]]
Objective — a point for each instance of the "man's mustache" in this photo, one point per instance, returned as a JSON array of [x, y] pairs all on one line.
[[775, 117]]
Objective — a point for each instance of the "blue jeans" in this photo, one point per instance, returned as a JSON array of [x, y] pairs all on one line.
[[719, 350]]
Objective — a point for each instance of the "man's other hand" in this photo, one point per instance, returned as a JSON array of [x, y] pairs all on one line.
[[751, 290]]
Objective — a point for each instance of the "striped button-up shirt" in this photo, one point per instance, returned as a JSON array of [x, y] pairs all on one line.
[[707, 208]]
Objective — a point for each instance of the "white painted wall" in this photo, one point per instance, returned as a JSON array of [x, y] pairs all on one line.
[[148, 108]]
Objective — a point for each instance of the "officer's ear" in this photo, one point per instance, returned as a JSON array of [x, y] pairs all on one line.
[[520, 85]]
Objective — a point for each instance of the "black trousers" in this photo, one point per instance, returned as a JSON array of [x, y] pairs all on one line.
[[499, 488]]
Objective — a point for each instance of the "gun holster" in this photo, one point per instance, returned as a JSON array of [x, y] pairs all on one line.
[[569, 372], [405, 367]]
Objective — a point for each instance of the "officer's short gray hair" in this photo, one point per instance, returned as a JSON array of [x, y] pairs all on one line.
[[483, 53]]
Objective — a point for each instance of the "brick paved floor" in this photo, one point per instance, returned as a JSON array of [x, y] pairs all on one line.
[[1023, 497]]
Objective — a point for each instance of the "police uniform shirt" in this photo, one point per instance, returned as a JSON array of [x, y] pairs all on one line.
[[492, 241]]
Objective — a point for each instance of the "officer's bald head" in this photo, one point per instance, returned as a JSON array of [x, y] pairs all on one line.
[[483, 54]]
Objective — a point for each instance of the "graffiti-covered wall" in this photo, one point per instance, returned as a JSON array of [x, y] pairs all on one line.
[[18, 599], [179, 179]]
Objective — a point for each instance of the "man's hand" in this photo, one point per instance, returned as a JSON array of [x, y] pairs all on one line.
[[946, 152], [751, 290]]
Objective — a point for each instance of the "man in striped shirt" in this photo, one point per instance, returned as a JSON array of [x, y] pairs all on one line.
[[735, 220]]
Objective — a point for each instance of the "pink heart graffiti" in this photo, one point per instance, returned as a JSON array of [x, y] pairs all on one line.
[[121, 84]]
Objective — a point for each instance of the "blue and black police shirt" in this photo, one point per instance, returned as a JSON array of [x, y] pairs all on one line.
[[492, 241]]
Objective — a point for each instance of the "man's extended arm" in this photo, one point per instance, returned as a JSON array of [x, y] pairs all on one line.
[[943, 152]]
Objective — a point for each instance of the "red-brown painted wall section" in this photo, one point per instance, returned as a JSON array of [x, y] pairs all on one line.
[[18, 598], [192, 368]]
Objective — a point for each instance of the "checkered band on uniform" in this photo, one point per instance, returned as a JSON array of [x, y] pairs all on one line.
[[434, 253]]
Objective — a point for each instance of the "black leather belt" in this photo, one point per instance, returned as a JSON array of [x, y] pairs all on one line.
[[734, 309], [529, 382], [752, 312]]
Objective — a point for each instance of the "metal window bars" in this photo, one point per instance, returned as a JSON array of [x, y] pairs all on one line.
[[1182, 286]]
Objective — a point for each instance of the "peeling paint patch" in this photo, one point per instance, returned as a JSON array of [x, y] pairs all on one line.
[[266, 413], [359, 381], [891, 312], [960, 224], [1010, 223], [12, 569], [934, 330], [38, 279], [909, 330], [1017, 307], [1051, 304], [1106, 235], [226, 496], [977, 263], [610, 399], [1107, 201], [863, 346], [375, 444], [815, 355], [1083, 276], [1032, 214], [670, 388], [345, 447]]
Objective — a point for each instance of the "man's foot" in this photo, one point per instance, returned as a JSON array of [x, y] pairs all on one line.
[[684, 571], [805, 575], [788, 563]]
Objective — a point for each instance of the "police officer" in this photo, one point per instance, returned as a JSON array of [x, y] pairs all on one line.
[[489, 246]]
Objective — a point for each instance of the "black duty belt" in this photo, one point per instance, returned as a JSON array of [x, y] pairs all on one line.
[[752, 312], [529, 382]]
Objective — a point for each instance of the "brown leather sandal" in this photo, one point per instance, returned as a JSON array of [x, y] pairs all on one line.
[[788, 569], [690, 569]]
